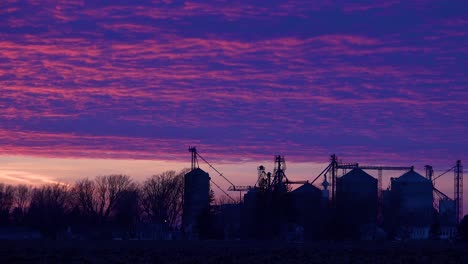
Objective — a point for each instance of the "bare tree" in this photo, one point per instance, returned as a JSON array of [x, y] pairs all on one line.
[[109, 190], [162, 198], [22, 200], [98, 198], [84, 194], [22, 197], [48, 209], [6, 202]]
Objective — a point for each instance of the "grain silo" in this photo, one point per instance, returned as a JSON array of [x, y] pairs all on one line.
[[249, 214], [412, 205], [196, 200], [306, 203], [356, 202], [447, 218], [258, 215]]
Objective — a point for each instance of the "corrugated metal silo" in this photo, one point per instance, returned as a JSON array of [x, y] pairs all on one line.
[[447, 218], [356, 201], [306, 202], [306, 197], [196, 199], [249, 214], [447, 212], [412, 205]]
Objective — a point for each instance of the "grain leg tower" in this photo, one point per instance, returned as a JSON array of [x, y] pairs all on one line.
[[196, 198]]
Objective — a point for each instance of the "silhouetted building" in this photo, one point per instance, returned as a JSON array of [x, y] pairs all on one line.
[[248, 212], [196, 201], [227, 221], [307, 213], [265, 214], [356, 203], [412, 206], [255, 214], [19, 233], [447, 219], [154, 231]]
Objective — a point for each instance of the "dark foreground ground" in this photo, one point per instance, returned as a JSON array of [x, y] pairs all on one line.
[[175, 252]]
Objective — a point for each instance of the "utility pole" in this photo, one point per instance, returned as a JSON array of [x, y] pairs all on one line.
[[334, 169], [429, 172], [458, 189]]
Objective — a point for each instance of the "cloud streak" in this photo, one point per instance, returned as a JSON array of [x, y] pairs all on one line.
[[244, 80]]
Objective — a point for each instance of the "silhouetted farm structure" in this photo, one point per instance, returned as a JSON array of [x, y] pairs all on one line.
[[349, 204], [343, 202]]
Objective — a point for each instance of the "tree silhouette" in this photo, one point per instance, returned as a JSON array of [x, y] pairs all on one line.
[[162, 197], [22, 200], [109, 190], [96, 199], [6, 202], [84, 197], [48, 209]]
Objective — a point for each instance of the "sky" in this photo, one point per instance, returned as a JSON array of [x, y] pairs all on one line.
[[97, 87]]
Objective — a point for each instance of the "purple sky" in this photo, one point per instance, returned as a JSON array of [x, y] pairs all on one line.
[[380, 82]]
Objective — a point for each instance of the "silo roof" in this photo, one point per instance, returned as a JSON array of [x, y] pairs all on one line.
[[197, 171], [357, 174], [411, 176], [306, 188]]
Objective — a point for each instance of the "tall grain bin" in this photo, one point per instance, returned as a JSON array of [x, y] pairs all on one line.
[[263, 214], [356, 202], [447, 212], [447, 218], [196, 200], [306, 203], [251, 217], [259, 217], [412, 205]]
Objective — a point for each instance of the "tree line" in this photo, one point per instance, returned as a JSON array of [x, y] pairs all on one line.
[[95, 206]]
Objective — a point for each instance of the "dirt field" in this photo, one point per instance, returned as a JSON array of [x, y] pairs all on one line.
[[228, 252]]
